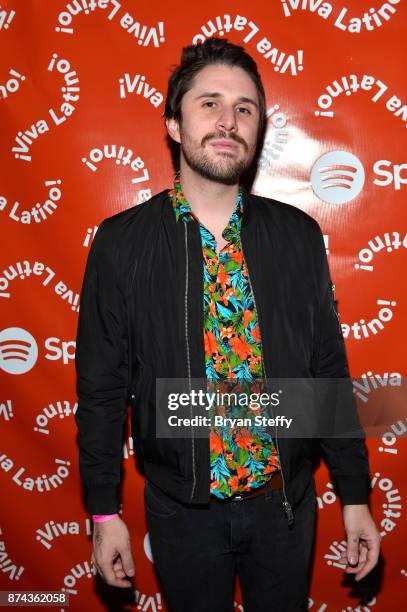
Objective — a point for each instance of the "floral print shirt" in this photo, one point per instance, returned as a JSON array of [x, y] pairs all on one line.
[[242, 458]]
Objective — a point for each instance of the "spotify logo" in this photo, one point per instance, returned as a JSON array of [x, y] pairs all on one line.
[[18, 350], [337, 177]]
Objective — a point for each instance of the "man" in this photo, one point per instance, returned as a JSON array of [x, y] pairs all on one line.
[[208, 281]]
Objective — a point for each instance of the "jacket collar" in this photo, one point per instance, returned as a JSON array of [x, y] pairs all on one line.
[[182, 209]]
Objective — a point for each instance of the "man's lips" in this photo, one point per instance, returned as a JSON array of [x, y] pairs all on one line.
[[224, 144]]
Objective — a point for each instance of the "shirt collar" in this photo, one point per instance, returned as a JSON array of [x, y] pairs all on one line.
[[183, 210]]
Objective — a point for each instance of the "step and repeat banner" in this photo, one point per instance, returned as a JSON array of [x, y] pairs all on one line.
[[82, 91]]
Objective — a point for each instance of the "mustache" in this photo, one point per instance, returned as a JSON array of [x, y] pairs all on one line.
[[216, 135]]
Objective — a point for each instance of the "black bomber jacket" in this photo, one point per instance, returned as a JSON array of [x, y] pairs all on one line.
[[141, 318]]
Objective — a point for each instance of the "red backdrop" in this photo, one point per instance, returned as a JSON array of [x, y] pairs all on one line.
[[82, 87]]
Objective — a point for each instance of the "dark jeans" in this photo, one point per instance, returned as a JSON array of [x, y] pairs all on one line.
[[199, 549]]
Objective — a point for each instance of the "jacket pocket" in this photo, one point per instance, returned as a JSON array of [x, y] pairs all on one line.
[[154, 448], [141, 396]]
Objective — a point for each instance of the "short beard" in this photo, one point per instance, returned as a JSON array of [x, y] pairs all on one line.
[[227, 175]]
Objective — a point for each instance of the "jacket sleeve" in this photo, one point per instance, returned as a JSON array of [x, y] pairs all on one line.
[[102, 374], [346, 457]]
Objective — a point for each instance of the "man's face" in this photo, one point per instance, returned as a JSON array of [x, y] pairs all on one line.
[[219, 128]]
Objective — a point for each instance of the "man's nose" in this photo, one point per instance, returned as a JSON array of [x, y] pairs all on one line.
[[227, 119]]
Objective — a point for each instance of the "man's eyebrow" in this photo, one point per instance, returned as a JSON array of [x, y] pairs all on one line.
[[216, 94]]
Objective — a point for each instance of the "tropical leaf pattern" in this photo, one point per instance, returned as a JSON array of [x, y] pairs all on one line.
[[241, 459]]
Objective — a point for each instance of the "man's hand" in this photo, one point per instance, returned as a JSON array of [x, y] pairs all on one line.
[[112, 552], [363, 540]]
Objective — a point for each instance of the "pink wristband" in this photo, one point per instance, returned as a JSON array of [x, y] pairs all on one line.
[[101, 518]]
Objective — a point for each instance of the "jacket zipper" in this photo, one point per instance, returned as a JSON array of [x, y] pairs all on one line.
[[188, 356], [286, 504]]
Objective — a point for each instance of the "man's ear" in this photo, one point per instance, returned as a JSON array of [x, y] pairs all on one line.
[[173, 129]]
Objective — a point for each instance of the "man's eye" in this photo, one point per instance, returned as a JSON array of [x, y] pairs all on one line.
[[244, 109], [208, 102]]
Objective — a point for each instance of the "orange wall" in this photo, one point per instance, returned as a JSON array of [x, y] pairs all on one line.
[[82, 138]]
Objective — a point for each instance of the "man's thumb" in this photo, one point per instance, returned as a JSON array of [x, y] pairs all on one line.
[[353, 549], [128, 563]]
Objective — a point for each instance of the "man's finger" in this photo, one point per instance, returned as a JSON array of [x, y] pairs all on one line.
[[363, 550], [373, 550], [109, 575], [118, 569], [353, 549], [127, 561], [369, 565], [353, 569]]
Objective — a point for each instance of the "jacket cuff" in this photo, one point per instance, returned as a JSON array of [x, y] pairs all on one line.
[[353, 489], [102, 498]]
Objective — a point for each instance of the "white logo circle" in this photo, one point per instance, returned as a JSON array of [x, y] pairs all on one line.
[[337, 177], [18, 350]]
